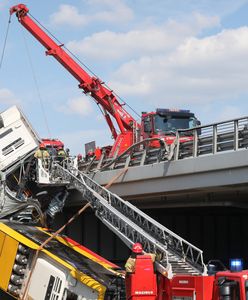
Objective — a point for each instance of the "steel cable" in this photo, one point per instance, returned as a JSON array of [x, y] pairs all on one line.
[[5, 42], [36, 85], [83, 64]]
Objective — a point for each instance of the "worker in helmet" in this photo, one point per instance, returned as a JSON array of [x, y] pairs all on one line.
[[79, 157], [43, 154], [130, 264], [61, 154], [98, 153], [137, 249]]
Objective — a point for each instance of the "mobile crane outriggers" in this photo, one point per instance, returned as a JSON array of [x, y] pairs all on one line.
[[160, 124]]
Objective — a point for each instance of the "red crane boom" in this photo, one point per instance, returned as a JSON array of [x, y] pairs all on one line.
[[90, 84]]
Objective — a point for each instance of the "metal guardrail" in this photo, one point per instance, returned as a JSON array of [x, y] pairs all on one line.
[[138, 154], [231, 135]]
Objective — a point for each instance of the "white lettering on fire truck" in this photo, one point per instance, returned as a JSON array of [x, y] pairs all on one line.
[[143, 292], [183, 281]]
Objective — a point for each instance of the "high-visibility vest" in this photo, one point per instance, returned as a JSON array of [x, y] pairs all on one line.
[[130, 265], [40, 153], [61, 153]]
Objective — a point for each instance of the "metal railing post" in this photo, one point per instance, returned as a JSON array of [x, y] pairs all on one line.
[[236, 136], [177, 143], [214, 141], [195, 143]]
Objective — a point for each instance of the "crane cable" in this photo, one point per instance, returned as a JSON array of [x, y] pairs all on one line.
[[83, 64], [32, 70], [5, 42], [36, 84]]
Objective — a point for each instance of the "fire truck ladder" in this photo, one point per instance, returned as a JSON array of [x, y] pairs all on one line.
[[174, 255]]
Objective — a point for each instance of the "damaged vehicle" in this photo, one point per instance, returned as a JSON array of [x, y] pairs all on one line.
[[31, 189]]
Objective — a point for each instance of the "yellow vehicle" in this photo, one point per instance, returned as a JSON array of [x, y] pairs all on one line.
[[62, 270]]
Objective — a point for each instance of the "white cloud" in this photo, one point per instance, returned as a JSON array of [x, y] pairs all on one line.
[[220, 7], [8, 97], [109, 11], [69, 15], [117, 11], [139, 42], [199, 70], [79, 105]]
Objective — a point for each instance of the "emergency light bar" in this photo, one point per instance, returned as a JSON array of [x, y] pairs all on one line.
[[236, 265], [167, 110]]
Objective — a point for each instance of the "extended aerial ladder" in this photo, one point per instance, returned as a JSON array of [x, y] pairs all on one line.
[[174, 255]]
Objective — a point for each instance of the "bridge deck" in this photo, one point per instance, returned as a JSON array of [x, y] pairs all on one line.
[[201, 173], [211, 168]]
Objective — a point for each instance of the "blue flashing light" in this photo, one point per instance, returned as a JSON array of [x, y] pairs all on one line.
[[236, 265]]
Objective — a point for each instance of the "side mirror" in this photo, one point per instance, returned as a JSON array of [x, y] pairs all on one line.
[[147, 125], [226, 288], [198, 123], [225, 291]]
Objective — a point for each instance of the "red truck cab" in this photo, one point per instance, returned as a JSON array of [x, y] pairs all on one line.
[[52, 143], [165, 122], [146, 283], [224, 285], [231, 285]]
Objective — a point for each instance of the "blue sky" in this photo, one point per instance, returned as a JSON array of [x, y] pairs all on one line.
[[190, 54]]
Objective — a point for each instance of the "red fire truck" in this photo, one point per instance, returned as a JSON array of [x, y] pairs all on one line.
[[144, 283]]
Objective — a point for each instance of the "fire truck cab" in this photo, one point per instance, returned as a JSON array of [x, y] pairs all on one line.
[[231, 285], [52, 143], [146, 283], [165, 122]]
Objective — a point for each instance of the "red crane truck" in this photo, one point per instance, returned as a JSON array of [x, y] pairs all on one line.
[[162, 124]]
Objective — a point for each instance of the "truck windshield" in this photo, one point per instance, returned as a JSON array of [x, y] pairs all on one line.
[[165, 124]]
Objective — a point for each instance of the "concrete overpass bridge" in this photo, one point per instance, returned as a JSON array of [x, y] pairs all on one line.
[[211, 169], [221, 179]]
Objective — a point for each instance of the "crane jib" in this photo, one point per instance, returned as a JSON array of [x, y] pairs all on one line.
[[90, 84]]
